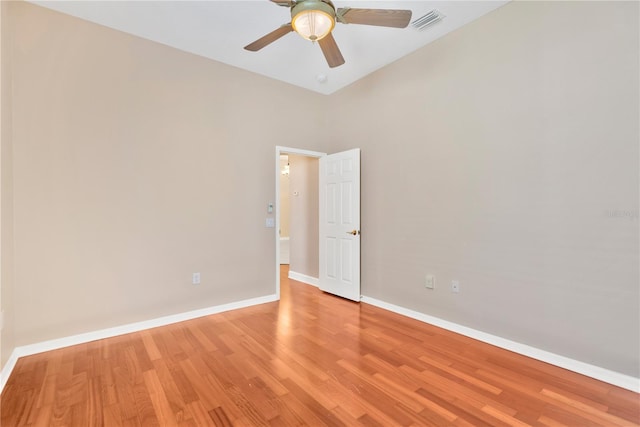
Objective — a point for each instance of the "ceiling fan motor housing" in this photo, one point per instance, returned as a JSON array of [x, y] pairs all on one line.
[[309, 26]]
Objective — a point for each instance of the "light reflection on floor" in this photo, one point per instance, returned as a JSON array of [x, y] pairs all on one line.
[[285, 306]]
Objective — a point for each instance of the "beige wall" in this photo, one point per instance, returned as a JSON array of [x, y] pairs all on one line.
[[303, 241], [284, 199], [7, 341], [495, 156], [133, 167]]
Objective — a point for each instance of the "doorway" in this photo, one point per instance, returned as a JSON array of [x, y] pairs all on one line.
[[285, 211], [303, 156]]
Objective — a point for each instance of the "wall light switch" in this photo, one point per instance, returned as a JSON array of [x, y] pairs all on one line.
[[195, 279], [430, 281], [270, 223], [270, 207]]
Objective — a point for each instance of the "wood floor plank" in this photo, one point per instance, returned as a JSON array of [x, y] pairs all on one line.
[[161, 405], [352, 398], [111, 416], [219, 417], [310, 359], [150, 346], [94, 405], [465, 411]]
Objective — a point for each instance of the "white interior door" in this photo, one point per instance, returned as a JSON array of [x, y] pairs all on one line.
[[340, 224]]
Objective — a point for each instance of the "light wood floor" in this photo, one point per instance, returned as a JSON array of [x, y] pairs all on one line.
[[311, 359]]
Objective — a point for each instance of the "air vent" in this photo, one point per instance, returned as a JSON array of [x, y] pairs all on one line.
[[427, 20]]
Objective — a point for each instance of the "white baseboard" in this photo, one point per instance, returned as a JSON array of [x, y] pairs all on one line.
[[55, 344], [602, 374], [299, 277], [8, 368]]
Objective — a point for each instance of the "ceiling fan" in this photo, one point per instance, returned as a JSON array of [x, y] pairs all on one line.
[[314, 20]]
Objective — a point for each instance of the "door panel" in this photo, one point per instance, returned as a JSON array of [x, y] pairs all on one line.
[[340, 224]]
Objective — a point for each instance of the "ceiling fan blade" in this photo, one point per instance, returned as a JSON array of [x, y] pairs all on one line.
[[396, 18], [269, 38], [331, 51], [285, 3]]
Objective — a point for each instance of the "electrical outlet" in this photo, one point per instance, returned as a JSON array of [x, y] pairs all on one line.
[[195, 279], [430, 281], [455, 286]]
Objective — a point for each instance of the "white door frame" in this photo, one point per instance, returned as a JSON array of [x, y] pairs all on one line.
[[279, 151]]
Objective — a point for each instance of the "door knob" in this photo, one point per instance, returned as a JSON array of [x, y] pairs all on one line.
[[354, 232]]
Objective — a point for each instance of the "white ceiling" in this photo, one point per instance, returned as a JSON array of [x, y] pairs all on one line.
[[220, 29]]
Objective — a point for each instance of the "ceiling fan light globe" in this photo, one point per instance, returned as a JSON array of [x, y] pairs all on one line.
[[313, 20]]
